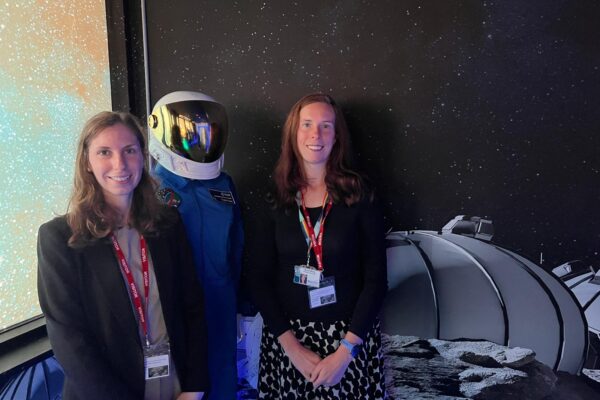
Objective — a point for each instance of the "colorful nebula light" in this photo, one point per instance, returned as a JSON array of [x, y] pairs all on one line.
[[54, 74]]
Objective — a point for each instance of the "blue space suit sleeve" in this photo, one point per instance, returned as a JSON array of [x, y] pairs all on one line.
[[237, 238], [196, 377]]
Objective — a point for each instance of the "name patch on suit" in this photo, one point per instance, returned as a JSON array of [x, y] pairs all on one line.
[[223, 196]]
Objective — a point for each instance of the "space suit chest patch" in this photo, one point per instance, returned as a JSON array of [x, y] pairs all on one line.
[[223, 196], [169, 197]]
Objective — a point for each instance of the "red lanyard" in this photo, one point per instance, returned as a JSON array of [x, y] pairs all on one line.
[[137, 302], [316, 242]]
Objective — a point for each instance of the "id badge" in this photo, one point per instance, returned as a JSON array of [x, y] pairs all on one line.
[[308, 276], [156, 361], [322, 295]]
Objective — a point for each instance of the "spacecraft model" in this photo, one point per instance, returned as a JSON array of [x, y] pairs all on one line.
[[457, 284], [584, 282]]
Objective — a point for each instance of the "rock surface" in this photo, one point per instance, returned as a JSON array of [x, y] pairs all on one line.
[[434, 369], [593, 374], [485, 354]]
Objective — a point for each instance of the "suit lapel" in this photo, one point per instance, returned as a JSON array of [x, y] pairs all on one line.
[[105, 268]]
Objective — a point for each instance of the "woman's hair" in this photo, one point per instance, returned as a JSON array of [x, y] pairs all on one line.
[[89, 216], [343, 184]]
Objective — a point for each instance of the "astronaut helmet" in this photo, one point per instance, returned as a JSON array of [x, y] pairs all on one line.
[[187, 134]]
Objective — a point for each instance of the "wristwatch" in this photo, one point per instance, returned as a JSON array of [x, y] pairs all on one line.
[[354, 349]]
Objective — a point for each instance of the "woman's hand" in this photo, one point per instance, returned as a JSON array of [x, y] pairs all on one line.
[[330, 370], [301, 358], [190, 396]]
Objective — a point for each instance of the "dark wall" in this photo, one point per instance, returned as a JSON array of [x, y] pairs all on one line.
[[455, 107]]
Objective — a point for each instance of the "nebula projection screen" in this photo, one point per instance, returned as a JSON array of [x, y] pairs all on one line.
[[54, 75]]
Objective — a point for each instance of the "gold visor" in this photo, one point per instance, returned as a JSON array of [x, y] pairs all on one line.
[[196, 130]]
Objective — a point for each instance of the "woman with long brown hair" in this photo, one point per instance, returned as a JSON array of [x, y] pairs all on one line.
[[317, 266], [116, 282]]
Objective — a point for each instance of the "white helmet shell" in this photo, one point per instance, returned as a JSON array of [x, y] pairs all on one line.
[[188, 134]]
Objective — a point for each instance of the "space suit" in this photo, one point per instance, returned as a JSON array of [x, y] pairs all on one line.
[[187, 138]]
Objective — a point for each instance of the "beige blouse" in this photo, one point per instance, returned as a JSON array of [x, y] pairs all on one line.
[[166, 388]]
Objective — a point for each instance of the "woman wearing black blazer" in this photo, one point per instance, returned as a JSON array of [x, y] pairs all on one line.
[[116, 280]]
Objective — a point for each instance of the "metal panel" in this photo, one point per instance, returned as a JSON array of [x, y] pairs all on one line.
[[469, 303], [574, 327], [410, 306], [530, 306]]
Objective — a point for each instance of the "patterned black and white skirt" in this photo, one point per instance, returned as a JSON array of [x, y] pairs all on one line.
[[280, 380]]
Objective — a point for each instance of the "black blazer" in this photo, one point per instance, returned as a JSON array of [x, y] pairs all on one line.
[[90, 321]]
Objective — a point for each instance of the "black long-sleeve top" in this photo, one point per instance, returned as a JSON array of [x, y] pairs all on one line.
[[353, 252]]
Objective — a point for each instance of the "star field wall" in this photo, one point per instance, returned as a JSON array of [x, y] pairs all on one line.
[[479, 108]]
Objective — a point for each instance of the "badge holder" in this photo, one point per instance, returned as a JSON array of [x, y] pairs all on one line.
[[321, 291], [322, 295], [307, 275], [156, 361]]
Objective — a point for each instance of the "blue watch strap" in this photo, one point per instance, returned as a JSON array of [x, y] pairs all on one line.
[[352, 348]]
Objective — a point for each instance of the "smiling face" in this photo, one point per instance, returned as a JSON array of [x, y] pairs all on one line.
[[117, 162], [316, 134]]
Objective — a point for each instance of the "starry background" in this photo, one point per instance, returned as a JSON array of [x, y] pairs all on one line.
[[465, 107], [54, 75]]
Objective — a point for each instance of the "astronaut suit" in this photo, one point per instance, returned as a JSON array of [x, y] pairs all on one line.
[[187, 138]]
